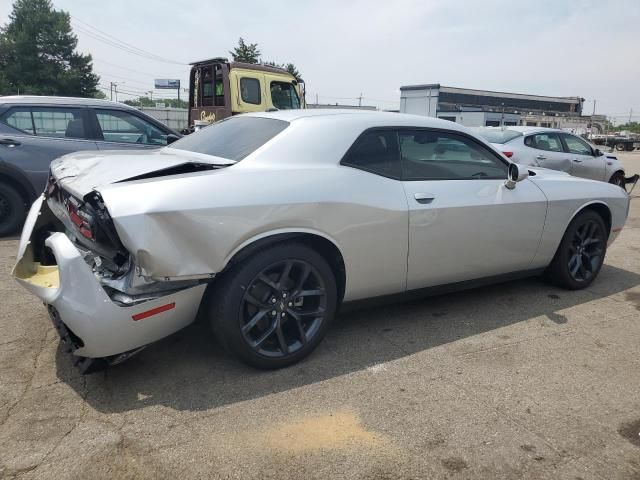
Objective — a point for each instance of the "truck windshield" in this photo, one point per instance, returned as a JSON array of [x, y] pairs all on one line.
[[284, 96], [233, 138]]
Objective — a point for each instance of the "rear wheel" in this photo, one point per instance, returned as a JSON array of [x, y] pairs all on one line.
[[581, 252], [620, 147], [12, 209], [275, 307]]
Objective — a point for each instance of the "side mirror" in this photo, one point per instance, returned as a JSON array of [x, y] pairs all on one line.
[[172, 138], [597, 152], [515, 174]]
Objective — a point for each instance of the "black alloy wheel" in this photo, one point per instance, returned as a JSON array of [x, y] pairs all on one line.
[[282, 308], [581, 252], [586, 251], [274, 307]]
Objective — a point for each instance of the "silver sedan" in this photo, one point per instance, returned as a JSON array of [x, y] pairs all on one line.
[[267, 223], [557, 150]]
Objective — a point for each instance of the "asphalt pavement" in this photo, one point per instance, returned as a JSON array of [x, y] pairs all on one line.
[[517, 380]]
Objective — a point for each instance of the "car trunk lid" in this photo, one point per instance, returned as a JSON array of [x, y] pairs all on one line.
[[82, 172]]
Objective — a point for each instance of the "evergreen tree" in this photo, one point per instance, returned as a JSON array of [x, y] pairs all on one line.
[[38, 53], [246, 53]]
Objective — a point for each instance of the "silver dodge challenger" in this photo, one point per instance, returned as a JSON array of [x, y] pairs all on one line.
[[265, 224]]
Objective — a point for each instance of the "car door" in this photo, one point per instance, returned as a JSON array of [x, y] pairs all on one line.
[[122, 129], [464, 223], [546, 150], [42, 134], [584, 162]]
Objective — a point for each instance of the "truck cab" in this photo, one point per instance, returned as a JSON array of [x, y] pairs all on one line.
[[219, 88]]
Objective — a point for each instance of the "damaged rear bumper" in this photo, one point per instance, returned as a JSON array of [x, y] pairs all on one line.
[[99, 327]]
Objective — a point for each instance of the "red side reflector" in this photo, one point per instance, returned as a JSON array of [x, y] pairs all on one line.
[[153, 311], [508, 154]]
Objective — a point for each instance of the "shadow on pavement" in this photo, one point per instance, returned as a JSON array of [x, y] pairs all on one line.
[[188, 371]]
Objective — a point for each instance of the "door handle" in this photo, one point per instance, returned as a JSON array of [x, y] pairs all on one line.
[[577, 160], [541, 157], [424, 198], [9, 142]]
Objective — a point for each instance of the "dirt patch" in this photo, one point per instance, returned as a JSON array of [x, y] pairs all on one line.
[[633, 297], [339, 430], [454, 464], [631, 431]]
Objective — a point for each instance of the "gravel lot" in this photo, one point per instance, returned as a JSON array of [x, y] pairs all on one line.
[[509, 381]]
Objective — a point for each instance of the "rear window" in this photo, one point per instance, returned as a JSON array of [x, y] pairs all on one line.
[[233, 138], [496, 135]]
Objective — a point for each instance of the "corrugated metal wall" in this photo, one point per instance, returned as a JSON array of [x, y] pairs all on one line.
[[175, 118]]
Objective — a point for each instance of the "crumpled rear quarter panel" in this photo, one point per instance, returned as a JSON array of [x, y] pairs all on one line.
[[191, 225]]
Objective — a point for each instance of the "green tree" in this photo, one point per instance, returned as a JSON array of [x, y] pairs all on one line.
[[147, 102], [289, 67], [246, 53], [38, 53], [633, 127]]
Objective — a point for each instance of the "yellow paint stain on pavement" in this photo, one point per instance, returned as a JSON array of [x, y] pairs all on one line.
[[339, 430]]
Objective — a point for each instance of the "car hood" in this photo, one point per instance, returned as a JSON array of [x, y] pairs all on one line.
[[81, 172]]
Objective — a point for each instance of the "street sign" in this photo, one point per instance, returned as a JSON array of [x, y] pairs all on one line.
[[167, 84]]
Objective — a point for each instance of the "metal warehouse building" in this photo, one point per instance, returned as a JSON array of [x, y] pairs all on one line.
[[486, 108]]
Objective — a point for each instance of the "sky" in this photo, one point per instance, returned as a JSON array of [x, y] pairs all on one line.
[[344, 49]]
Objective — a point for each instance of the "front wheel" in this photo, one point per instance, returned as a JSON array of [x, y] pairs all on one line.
[[274, 308], [580, 255], [618, 179]]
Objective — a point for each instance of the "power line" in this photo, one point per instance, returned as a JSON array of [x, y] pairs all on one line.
[[101, 36]]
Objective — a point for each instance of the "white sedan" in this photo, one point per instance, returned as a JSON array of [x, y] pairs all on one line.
[[557, 150], [266, 223]]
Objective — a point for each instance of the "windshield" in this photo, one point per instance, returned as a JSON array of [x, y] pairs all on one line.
[[233, 138], [284, 96], [496, 135]]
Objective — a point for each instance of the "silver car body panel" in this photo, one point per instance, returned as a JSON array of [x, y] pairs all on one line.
[[190, 225]]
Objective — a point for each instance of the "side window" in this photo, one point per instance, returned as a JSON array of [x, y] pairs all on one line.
[[19, 118], [284, 96], [250, 90], [434, 155], [58, 122], [125, 127], [549, 142], [375, 151], [577, 145]]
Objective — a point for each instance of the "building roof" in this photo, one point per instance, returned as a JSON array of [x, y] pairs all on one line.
[[490, 93]]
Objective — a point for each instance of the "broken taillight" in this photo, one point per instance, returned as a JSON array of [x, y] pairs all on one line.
[[84, 227]]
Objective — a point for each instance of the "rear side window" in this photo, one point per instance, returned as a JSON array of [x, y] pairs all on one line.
[[549, 142], [375, 151], [58, 122], [19, 118], [124, 127], [233, 138], [250, 90]]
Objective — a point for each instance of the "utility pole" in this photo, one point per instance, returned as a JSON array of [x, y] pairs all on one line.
[[360, 100], [111, 91], [630, 115], [594, 108], [316, 99], [115, 89]]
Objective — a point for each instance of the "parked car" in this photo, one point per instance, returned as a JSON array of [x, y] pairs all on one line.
[[36, 130], [267, 222], [557, 150]]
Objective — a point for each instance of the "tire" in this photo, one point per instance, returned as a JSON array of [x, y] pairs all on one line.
[[12, 209], [585, 241], [620, 147], [618, 179], [255, 297]]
